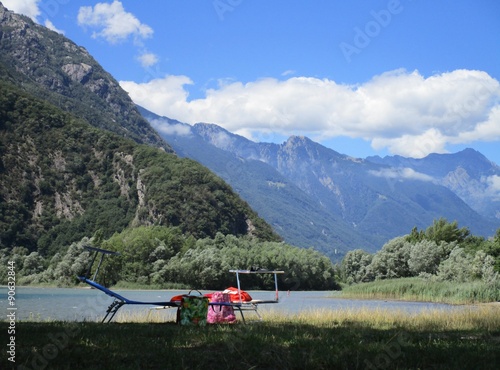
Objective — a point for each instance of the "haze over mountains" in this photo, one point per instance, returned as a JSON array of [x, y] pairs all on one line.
[[315, 196]]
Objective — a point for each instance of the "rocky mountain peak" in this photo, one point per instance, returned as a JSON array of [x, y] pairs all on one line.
[[216, 135], [57, 70]]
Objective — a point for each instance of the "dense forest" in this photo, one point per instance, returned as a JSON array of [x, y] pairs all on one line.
[[164, 257], [63, 179]]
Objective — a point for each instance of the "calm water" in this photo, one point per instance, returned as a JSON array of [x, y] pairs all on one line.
[[89, 304]]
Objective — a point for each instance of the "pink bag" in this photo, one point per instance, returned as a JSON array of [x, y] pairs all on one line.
[[220, 314]]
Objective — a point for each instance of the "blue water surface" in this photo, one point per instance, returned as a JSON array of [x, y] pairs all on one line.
[[84, 304]]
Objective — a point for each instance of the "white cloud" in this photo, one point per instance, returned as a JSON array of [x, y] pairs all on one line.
[[158, 93], [413, 145], [171, 129], [148, 59], [403, 111], [401, 173], [51, 26], [288, 72], [112, 22], [492, 186], [25, 7], [222, 140]]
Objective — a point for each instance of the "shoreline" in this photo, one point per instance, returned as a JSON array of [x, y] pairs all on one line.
[[334, 294]]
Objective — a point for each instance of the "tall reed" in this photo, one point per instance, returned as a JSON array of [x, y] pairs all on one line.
[[484, 317], [417, 289]]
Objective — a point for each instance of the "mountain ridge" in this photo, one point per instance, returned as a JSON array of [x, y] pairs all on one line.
[[280, 202], [468, 173], [377, 201]]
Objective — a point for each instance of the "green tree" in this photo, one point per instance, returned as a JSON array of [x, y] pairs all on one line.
[[140, 248], [457, 267], [427, 255], [392, 260], [442, 230], [354, 266]]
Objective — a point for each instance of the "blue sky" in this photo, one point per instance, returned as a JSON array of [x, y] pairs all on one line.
[[406, 77]]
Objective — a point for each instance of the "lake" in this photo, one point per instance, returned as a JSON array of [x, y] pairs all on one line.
[[79, 304]]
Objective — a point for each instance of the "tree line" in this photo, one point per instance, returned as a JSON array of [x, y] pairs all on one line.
[[164, 257], [442, 252]]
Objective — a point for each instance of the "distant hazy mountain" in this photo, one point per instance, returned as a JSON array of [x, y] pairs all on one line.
[[468, 173], [315, 196], [292, 213]]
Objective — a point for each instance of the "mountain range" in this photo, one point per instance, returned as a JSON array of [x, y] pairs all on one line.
[[316, 197]]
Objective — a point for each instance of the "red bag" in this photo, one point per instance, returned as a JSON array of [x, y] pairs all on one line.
[[235, 296]]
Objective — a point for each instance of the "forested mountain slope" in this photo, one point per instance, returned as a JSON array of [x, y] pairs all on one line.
[[62, 179], [73, 161]]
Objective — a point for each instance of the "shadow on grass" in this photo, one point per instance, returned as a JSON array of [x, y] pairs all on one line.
[[61, 345]]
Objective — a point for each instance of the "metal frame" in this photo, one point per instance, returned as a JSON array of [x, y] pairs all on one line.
[[253, 305]]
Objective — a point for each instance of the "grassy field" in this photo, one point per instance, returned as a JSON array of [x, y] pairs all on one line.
[[467, 338], [416, 289]]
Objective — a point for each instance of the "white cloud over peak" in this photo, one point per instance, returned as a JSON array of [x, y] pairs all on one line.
[[113, 23], [171, 128], [51, 26], [401, 173], [414, 145], [25, 7], [403, 111], [158, 93], [492, 186]]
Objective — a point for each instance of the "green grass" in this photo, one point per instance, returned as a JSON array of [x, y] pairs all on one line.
[[467, 338], [417, 289]]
